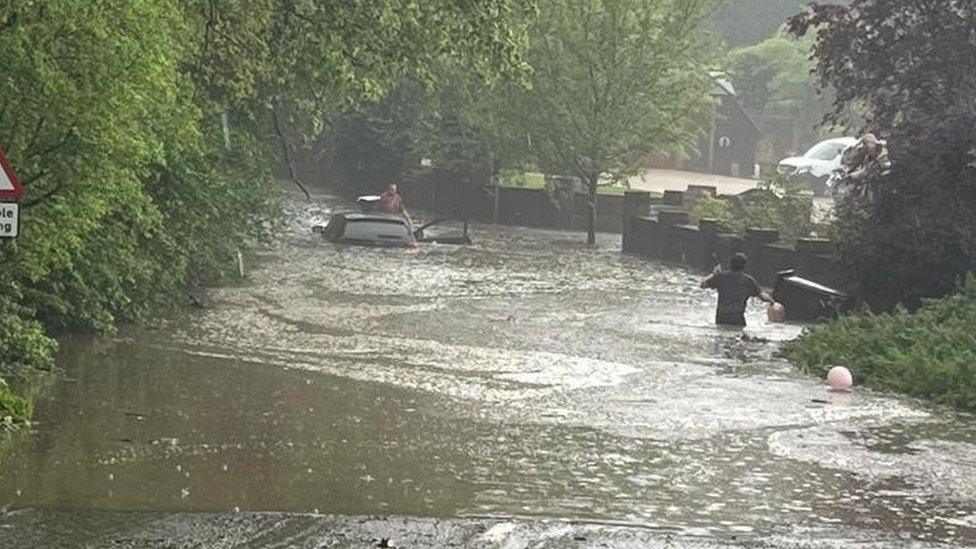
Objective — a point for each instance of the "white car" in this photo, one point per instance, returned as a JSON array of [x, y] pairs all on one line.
[[819, 162]]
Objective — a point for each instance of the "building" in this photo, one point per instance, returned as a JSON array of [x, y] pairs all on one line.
[[729, 147]]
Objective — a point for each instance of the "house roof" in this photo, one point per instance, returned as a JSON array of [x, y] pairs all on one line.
[[723, 88]]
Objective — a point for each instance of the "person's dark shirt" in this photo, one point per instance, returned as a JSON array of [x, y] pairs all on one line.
[[734, 290]]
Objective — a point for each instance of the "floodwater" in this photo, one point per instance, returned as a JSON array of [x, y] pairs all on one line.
[[526, 376]]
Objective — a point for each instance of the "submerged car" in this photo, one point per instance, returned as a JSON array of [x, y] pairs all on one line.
[[384, 230], [817, 164], [371, 229]]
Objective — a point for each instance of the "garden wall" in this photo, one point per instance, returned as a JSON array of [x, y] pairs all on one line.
[[516, 206], [658, 230]]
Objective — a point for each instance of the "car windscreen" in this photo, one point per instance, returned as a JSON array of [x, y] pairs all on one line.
[[825, 151], [370, 229]]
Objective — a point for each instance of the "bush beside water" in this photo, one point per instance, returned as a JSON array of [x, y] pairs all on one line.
[[776, 205], [930, 353]]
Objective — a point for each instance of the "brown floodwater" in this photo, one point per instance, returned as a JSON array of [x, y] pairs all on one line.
[[524, 376]]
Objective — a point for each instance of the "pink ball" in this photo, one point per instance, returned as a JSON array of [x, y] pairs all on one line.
[[840, 379]]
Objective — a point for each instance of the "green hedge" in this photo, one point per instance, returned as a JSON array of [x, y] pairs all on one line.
[[930, 353], [24, 346]]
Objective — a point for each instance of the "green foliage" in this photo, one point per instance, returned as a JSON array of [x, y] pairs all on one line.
[[13, 409], [613, 81], [107, 102], [111, 112], [909, 233], [774, 206], [23, 344], [711, 207], [775, 77], [774, 80], [930, 353], [308, 60]]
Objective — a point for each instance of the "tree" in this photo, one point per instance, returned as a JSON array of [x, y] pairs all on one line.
[[745, 22], [613, 80], [909, 69], [111, 113], [293, 66], [775, 78]]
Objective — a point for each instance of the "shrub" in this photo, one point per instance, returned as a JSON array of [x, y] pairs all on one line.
[[930, 353], [13, 409], [774, 206], [23, 345]]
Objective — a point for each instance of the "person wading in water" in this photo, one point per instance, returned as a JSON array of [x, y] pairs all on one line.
[[734, 287]]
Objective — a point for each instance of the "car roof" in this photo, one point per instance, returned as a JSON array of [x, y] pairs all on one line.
[[371, 216]]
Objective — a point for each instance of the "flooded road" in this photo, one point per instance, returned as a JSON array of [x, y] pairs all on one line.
[[526, 377]]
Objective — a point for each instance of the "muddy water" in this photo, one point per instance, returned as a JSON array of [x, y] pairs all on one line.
[[525, 376]]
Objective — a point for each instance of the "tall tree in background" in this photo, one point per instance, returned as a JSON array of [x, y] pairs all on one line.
[[613, 81], [292, 66], [910, 68], [775, 78], [746, 22]]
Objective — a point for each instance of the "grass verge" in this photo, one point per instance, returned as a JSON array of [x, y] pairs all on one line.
[[537, 181]]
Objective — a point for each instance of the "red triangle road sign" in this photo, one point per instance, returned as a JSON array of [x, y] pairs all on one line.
[[10, 187]]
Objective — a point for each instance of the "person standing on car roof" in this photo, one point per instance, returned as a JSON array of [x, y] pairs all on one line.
[[734, 287], [391, 202]]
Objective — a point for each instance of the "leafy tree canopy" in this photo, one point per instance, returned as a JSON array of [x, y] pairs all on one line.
[[613, 80], [911, 68], [112, 113], [775, 75], [324, 57], [901, 60]]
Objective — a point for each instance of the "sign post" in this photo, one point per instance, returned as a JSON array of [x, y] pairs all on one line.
[[10, 191]]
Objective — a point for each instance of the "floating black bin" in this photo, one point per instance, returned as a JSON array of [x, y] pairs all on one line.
[[805, 299]]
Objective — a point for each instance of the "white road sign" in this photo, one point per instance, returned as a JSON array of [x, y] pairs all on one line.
[[9, 219]]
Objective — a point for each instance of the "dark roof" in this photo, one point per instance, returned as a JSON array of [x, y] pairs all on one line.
[[723, 88], [372, 216]]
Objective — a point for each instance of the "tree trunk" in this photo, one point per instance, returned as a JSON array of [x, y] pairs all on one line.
[[286, 152], [591, 211]]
